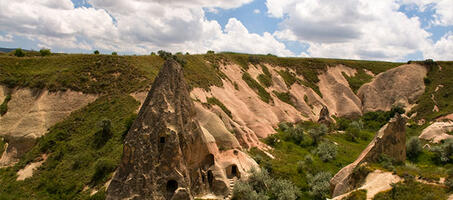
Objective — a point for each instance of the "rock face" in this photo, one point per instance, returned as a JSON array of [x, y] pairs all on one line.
[[324, 116], [437, 132], [401, 85], [168, 155], [390, 140]]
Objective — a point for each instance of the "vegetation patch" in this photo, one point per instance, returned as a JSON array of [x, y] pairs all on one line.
[[215, 101], [410, 189], [266, 78], [2, 145], [74, 161], [284, 96], [252, 83], [360, 78], [4, 105], [357, 195]]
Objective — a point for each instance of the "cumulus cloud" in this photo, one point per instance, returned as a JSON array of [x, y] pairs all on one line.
[[442, 49], [443, 9], [133, 26], [357, 29], [6, 38]]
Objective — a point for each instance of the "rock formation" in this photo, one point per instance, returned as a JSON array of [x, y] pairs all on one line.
[[167, 154], [400, 85], [324, 116], [390, 140], [437, 132]]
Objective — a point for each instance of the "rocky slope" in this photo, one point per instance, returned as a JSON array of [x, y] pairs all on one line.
[[167, 154]]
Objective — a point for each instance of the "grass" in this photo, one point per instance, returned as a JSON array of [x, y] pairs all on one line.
[[4, 105], [284, 96], [215, 101], [412, 190], [266, 78], [357, 195], [355, 82], [252, 83], [74, 162], [2, 145], [443, 97]]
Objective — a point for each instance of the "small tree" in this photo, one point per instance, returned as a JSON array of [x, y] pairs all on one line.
[[45, 52], [210, 52], [101, 137], [317, 133], [327, 151], [96, 52], [114, 53], [413, 148], [320, 184], [19, 52], [297, 134]]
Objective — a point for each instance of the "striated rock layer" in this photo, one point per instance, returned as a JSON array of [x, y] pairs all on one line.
[[390, 140], [167, 155]]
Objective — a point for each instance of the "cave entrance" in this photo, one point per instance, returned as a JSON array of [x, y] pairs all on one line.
[[171, 187], [232, 171], [210, 178]]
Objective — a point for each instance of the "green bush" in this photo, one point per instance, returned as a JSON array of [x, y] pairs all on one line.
[[210, 52], [19, 52], [215, 101], [357, 195], [4, 105], [102, 168], [45, 52], [101, 137], [320, 185], [413, 148], [260, 185], [327, 151], [96, 52], [409, 190], [444, 152], [114, 53], [317, 132], [252, 83]]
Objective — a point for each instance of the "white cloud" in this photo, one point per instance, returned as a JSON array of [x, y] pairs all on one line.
[[6, 38], [256, 11], [133, 26], [442, 49], [443, 9], [357, 29]]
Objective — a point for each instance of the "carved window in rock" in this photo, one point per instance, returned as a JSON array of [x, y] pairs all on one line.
[[171, 187]]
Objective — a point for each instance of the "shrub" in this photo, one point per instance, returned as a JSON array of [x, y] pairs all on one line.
[[386, 162], [114, 53], [357, 195], [413, 148], [317, 132], [283, 190], [19, 52], [243, 190], [327, 151], [320, 184], [296, 134], [215, 101], [4, 105], [210, 52], [101, 137], [102, 168], [153, 53], [96, 52], [444, 152], [45, 52]]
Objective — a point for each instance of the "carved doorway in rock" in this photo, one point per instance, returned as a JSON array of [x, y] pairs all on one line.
[[171, 187], [232, 171]]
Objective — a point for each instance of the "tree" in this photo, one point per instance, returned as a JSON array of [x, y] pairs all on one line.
[[19, 52], [101, 137], [413, 148], [327, 151], [210, 52], [114, 53], [320, 184], [96, 52], [317, 133], [45, 52], [297, 134]]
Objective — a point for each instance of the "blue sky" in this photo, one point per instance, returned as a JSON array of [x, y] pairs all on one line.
[[395, 30]]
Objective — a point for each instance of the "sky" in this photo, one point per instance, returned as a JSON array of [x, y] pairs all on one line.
[[391, 30]]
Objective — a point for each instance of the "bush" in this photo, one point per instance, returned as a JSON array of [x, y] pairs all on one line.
[[357, 195], [4, 105], [114, 53], [261, 185], [101, 137], [317, 132], [413, 148], [45, 52], [210, 52], [320, 185], [102, 168], [96, 52], [296, 134], [19, 52], [327, 151]]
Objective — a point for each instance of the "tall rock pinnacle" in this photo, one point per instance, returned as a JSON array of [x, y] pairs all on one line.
[[165, 151]]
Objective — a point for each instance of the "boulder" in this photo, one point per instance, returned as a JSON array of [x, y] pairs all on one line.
[[390, 140], [437, 132], [401, 85], [324, 116]]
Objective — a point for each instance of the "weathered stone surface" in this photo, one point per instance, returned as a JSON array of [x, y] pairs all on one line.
[[437, 132], [390, 140], [165, 152], [324, 116], [402, 85]]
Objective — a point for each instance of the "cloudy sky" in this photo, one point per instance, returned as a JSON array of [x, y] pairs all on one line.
[[395, 30]]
